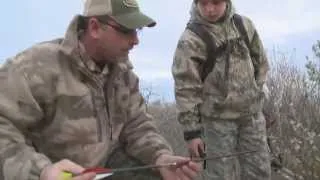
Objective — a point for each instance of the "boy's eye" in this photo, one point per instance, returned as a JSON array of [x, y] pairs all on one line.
[[203, 2], [206, 2], [217, 2]]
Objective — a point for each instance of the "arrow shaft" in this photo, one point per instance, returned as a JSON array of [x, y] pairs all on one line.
[[175, 164], [143, 167]]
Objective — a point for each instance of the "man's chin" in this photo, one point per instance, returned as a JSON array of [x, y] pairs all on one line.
[[125, 53], [123, 57]]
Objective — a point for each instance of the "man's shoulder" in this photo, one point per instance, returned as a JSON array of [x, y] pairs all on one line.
[[43, 54], [40, 60]]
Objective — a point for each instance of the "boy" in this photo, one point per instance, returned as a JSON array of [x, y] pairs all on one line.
[[219, 70]]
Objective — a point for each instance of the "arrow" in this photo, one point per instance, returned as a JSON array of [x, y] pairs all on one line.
[[105, 172]]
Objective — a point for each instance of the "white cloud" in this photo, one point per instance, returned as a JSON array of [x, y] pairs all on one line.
[[151, 65], [278, 19], [273, 18]]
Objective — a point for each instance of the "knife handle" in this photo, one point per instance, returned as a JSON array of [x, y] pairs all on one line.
[[203, 154]]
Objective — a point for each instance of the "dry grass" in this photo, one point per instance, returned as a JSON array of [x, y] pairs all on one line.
[[295, 109]]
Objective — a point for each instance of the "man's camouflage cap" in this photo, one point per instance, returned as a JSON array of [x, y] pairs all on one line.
[[125, 12]]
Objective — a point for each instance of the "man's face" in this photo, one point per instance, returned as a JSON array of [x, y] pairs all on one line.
[[113, 41], [212, 10]]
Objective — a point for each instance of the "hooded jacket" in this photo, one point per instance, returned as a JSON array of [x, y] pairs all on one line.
[[53, 106], [233, 89]]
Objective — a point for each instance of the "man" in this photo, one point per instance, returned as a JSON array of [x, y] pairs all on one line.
[[66, 104], [227, 101]]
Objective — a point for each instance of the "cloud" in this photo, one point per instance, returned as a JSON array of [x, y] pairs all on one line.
[[279, 19], [273, 18], [28, 22], [151, 65], [277, 22]]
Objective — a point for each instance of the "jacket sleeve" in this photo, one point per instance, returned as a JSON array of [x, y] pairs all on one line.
[[18, 112], [260, 60], [189, 55], [140, 135]]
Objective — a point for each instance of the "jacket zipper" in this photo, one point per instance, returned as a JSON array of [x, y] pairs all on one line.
[[100, 122], [108, 105]]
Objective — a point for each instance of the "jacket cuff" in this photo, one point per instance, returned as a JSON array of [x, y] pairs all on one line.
[[38, 166], [159, 153]]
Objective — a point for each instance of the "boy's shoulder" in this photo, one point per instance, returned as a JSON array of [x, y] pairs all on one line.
[[247, 21]]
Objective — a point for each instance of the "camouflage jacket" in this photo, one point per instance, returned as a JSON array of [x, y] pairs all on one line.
[[234, 86], [53, 106]]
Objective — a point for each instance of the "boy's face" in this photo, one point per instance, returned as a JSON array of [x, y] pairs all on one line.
[[212, 10]]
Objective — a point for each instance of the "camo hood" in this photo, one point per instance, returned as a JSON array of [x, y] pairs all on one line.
[[197, 18]]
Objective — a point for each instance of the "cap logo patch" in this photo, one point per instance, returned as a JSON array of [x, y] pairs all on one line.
[[130, 3]]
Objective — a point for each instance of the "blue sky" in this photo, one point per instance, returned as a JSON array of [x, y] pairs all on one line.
[[289, 26]]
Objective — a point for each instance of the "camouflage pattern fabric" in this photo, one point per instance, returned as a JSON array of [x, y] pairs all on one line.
[[227, 101], [55, 104], [226, 136], [233, 89], [120, 159]]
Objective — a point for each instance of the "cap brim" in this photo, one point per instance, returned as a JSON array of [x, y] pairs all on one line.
[[134, 20]]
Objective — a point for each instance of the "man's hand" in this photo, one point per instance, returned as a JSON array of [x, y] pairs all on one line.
[[54, 171], [194, 146], [188, 170]]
